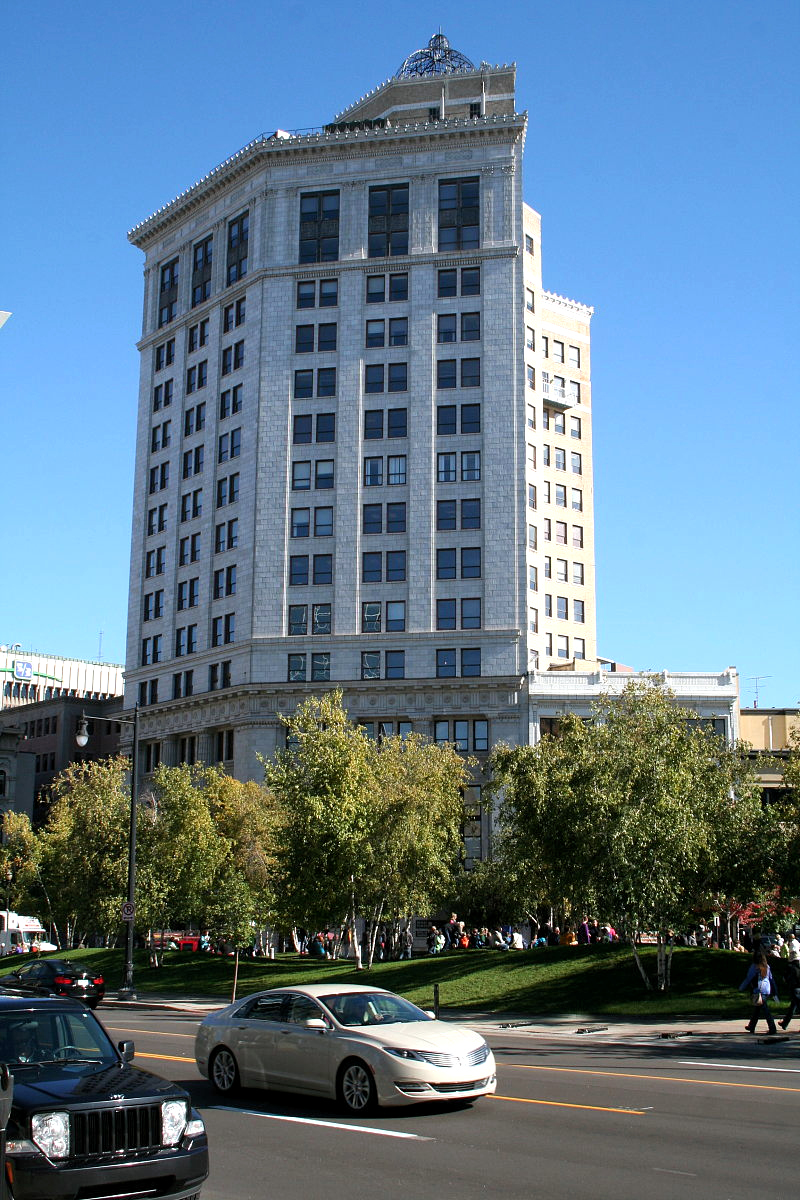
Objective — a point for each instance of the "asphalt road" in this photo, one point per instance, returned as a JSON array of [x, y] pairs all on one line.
[[705, 1118]]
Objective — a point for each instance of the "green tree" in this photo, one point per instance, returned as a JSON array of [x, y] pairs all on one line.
[[638, 816], [179, 850], [367, 828], [85, 838]]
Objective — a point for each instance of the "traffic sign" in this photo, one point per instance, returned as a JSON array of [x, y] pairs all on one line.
[[127, 911]]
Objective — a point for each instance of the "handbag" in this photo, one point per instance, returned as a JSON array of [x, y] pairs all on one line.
[[757, 999]]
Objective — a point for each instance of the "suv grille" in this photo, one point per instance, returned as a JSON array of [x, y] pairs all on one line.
[[116, 1130]]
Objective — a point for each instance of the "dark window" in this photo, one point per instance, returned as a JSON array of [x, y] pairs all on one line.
[[398, 377], [446, 419], [470, 327], [471, 613], [398, 287], [323, 522], [446, 564], [300, 522], [372, 518], [306, 295], [373, 378], [446, 514], [470, 562], [298, 569], [395, 667], [470, 418], [371, 567], [470, 281], [302, 428], [396, 518], [303, 385], [320, 667], [326, 381], [395, 565], [326, 427], [319, 227], [459, 214], [446, 373], [238, 244], [471, 662], [373, 424], [298, 620], [371, 616], [303, 339], [470, 372], [168, 292], [448, 284], [445, 614], [376, 289], [326, 336], [323, 473], [323, 568], [321, 619], [328, 293], [296, 668], [445, 663], [470, 514], [388, 221], [201, 271], [376, 333], [398, 331], [446, 327], [397, 421]]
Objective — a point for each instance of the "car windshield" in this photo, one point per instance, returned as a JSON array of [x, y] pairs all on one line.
[[372, 1008], [30, 1036]]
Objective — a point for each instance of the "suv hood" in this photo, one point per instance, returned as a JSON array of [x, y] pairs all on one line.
[[90, 1083]]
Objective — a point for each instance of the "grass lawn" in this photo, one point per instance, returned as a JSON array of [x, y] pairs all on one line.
[[595, 980]]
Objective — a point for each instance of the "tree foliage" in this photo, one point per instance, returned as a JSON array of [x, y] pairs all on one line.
[[638, 816], [367, 829]]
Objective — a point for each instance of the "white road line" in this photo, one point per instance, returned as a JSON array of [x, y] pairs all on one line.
[[248, 1112], [666, 1171], [688, 1062]]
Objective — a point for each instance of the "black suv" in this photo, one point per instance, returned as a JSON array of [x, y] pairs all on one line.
[[84, 1121]]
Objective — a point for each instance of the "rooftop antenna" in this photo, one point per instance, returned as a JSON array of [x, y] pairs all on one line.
[[756, 680]]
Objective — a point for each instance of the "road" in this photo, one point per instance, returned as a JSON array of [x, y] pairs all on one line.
[[705, 1118]]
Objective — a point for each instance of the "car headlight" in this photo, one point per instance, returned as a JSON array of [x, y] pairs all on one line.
[[173, 1121], [399, 1053], [50, 1132]]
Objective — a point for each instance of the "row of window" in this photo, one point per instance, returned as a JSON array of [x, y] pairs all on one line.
[[219, 676], [384, 664], [323, 293], [390, 377], [41, 727], [323, 338], [555, 494], [557, 457], [378, 616], [378, 566]]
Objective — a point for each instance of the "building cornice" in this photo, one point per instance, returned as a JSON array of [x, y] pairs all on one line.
[[334, 146], [556, 301]]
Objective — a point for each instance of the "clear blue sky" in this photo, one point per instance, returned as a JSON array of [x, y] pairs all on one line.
[[662, 154]]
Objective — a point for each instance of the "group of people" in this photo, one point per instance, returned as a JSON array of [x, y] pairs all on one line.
[[784, 956]]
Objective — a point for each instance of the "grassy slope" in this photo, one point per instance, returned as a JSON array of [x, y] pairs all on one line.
[[598, 980]]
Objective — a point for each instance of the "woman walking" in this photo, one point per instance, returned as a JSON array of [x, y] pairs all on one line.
[[760, 983]]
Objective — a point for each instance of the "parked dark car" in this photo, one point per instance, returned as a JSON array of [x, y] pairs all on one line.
[[56, 977], [86, 1122]]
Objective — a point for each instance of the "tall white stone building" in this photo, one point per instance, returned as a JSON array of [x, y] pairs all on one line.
[[364, 439]]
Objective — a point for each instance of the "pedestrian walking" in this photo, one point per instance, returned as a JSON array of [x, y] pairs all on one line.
[[791, 976], [761, 985]]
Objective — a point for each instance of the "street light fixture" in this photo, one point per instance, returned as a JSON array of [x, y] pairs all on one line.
[[127, 991]]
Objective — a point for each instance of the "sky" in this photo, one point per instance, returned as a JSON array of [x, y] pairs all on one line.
[[662, 154]]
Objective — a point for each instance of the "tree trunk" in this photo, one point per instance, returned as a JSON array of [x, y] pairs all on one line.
[[373, 933], [639, 962], [669, 965], [660, 960], [235, 974]]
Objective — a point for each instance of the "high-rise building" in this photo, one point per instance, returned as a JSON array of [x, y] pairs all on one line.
[[364, 439]]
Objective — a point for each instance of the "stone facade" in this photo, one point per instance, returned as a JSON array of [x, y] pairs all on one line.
[[411, 515]]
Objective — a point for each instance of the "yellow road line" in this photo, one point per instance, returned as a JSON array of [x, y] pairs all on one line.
[[760, 1087], [629, 1112], [149, 1032], [164, 1057]]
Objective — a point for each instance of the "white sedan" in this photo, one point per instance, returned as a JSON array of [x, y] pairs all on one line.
[[361, 1045]]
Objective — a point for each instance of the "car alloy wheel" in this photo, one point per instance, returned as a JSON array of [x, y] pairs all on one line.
[[356, 1088], [224, 1071]]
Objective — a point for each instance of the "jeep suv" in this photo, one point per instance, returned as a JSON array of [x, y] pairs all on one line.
[[84, 1121]]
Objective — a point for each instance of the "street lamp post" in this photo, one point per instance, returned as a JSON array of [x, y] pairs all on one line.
[[127, 991]]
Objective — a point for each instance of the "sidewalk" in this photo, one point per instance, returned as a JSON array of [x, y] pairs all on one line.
[[576, 1026]]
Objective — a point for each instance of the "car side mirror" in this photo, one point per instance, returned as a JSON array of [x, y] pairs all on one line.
[[429, 1013], [315, 1023], [126, 1049]]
